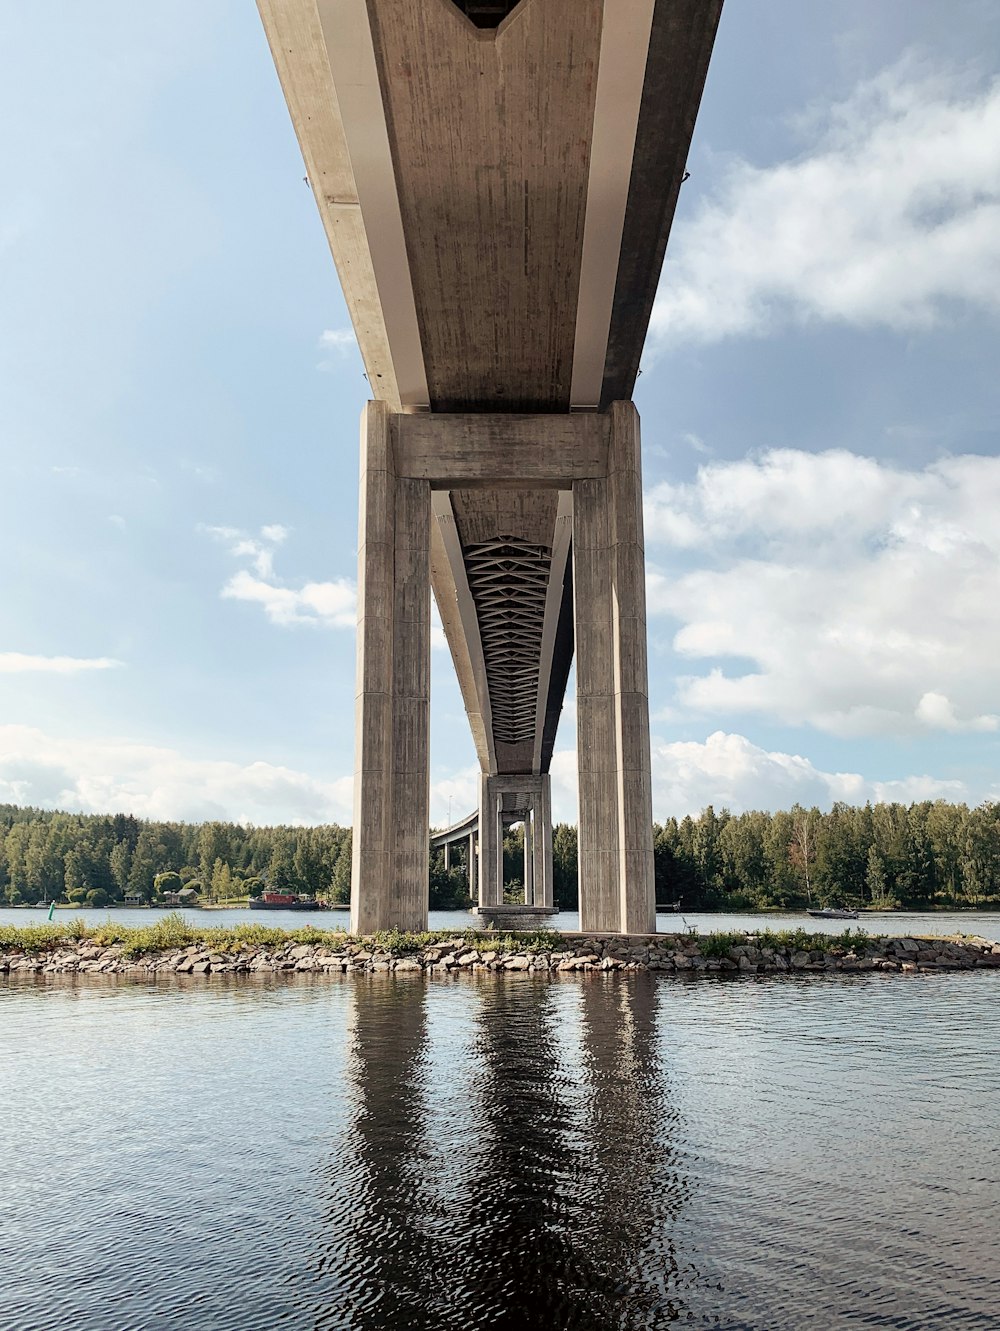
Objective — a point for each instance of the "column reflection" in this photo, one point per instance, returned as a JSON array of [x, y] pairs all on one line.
[[525, 1178], [370, 1271]]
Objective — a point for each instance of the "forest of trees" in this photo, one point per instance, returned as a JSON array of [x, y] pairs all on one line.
[[98, 859], [922, 856], [925, 856]]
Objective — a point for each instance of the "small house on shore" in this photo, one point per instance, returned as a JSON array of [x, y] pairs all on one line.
[[187, 896]]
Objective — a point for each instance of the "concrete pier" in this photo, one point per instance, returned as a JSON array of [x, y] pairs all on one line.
[[578, 544], [392, 697], [613, 762]]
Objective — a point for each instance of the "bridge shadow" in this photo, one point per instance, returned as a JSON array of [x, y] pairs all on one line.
[[508, 1164]]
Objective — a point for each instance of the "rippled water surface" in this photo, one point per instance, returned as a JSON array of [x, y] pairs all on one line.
[[464, 1152]]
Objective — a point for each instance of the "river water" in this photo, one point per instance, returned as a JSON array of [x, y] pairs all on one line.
[[600, 1152], [898, 923]]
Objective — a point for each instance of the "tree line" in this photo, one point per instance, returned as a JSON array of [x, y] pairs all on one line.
[[99, 859], [923, 856], [920, 856]]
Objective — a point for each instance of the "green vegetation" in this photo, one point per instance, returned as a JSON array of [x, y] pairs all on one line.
[[718, 945], [793, 940], [170, 931], [99, 860], [173, 931], [925, 856]]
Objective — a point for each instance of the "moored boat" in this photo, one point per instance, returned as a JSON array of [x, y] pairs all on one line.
[[285, 901]]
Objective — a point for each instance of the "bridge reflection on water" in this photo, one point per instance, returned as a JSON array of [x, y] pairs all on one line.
[[522, 1163], [382, 1153]]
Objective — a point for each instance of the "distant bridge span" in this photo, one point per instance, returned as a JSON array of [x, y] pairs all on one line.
[[497, 180]]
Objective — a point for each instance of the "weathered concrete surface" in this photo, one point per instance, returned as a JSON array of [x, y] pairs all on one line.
[[505, 588], [392, 700], [497, 202], [613, 761]]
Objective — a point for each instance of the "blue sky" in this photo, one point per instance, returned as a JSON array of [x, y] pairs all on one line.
[[179, 403]]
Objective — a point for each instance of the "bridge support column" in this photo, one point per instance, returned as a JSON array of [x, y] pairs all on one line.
[[526, 799], [490, 844], [529, 861], [616, 818], [542, 842], [391, 776]]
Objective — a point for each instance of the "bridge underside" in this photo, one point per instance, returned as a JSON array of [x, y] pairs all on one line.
[[497, 181]]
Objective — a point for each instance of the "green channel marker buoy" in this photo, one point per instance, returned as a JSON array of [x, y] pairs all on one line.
[[52, 910]]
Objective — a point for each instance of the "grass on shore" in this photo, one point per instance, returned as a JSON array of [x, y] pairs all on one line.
[[781, 940], [173, 931]]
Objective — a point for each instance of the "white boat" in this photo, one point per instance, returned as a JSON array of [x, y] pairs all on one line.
[[831, 914]]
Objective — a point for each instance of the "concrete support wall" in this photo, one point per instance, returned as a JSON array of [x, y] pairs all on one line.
[[488, 848], [529, 862], [615, 828], [542, 843], [527, 798], [391, 779]]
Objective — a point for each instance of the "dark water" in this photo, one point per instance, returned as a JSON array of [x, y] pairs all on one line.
[[464, 1152]]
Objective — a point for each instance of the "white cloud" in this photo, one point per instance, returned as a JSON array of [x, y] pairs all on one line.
[[729, 771], [98, 776], [330, 603], [333, 603], [336, 343], [865, 596], [259, 549], [224, 534], [454, 796], [17, 663], [324, 603], [199, 470], [937, 712], [891, 219]]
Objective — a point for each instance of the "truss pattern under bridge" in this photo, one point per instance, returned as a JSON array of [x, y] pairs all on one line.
[[509, 580]]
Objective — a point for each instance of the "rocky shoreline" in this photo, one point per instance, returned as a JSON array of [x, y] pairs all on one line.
[[671, 954]]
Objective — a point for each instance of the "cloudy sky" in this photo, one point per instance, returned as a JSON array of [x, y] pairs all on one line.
[[180, 392]]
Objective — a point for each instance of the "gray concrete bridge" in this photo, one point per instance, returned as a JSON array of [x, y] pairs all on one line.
[[497, 181]]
